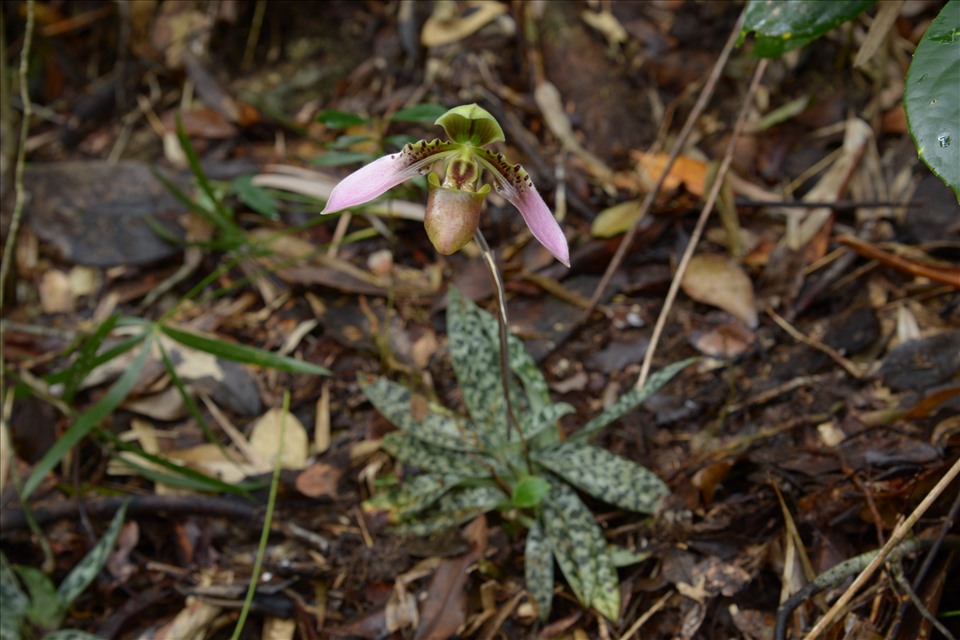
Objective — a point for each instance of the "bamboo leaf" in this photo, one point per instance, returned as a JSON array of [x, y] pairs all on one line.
[[242, 353], [604, 475]]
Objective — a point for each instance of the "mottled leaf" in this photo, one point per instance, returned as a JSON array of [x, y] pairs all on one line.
[[604, 475], [630, 400], [394, 402], [417, 453], [476, 364], [542, 423], [13, 602], [412, 497], [454, 509], [581, 551], [89, 568], [538, 568]]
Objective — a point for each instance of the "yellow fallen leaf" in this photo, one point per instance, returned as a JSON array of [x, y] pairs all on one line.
[[720, 282], [265, 439], [690, 172]]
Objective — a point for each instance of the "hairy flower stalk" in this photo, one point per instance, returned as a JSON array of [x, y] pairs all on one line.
[[454, 204]]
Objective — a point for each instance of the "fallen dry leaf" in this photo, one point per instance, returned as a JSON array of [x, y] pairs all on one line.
[[319, 479], [720, 282], [686, 171], [265, 438]]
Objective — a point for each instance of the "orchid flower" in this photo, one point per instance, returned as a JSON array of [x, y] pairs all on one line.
[[453, 206]]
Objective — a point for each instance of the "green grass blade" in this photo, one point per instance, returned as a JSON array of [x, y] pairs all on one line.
[[88, 420], [86, 357], [241, 353]]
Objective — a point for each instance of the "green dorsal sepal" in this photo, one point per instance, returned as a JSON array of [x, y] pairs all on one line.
[[471, 124]]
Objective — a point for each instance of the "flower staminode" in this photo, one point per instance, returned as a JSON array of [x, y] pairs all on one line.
[[453, 205]]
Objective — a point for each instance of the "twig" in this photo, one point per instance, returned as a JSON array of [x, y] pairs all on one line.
[[847, 568], [678, 145], [895, 538], [848, 366], [701, 223], [948, 522], [149, 505]]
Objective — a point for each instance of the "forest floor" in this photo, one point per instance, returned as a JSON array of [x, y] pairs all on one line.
[[823, 297]]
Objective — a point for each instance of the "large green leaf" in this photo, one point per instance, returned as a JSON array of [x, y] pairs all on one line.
[[89, 568], [604, 475], [581, 551], [538, 568], [783, 25], [13, 602], [394, 402], [630, 400], [932, 98], [241, 353]]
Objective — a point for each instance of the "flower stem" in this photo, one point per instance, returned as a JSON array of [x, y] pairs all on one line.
[[512, 422]]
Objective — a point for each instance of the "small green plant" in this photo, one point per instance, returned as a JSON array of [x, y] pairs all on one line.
[[42, 608], [512, 458]]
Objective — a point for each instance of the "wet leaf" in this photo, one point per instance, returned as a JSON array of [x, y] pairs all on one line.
[[783, 25], [604, 475], [930, 96], [719, 281]]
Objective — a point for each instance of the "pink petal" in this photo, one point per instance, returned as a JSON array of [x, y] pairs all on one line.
[[515, 185], [381, 175]]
